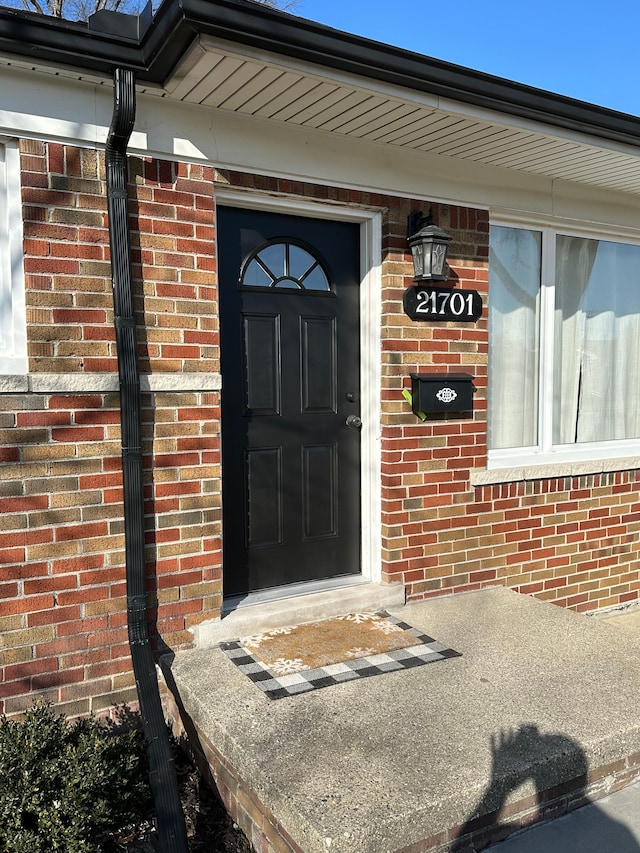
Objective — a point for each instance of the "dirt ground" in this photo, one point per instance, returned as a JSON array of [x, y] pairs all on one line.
[[209, 828]]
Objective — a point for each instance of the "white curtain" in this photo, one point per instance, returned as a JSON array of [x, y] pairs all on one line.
[[514, 299], [597, 341], [574, 264]]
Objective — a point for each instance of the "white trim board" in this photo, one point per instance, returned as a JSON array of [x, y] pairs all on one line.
[[13, 323]]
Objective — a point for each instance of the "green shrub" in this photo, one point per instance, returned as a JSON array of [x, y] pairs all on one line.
[[62, 783]]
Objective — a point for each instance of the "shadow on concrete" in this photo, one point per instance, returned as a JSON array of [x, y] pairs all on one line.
[[529, 760]]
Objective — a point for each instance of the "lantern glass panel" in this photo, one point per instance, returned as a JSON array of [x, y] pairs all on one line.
[[417, 250], [438, 255]]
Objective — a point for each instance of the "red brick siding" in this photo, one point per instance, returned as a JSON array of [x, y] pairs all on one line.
[[183, 503], [62, 617], [62, 556], [66, 238], [425, 465], [62, 579], [69, 303], [173, 234], [574, 542]]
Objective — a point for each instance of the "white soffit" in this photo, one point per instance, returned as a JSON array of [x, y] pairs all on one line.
[[64, 72], [217, 75]]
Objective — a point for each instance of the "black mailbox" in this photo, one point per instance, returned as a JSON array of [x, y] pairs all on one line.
[[441, 392]]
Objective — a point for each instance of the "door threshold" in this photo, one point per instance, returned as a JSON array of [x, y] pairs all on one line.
[[295, 604], [293, 590]]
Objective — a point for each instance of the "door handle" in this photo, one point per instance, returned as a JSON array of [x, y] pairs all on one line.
[[353, 422]]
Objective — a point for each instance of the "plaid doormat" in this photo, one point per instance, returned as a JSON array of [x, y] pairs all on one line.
[[288, 661]]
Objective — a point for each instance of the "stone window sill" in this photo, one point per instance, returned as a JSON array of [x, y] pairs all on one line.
[[552, 470]]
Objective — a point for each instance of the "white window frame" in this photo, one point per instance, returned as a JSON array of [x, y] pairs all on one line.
[[13, 327], [545, 452]]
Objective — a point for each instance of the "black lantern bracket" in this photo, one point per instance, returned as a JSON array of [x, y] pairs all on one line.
[[417, 220]]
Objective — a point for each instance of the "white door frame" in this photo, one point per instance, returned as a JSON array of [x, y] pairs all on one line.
[[370, 354]]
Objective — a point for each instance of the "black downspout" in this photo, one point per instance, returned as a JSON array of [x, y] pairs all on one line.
[[162, 775]]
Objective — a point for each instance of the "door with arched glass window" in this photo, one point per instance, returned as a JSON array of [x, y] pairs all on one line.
[[290, 349]]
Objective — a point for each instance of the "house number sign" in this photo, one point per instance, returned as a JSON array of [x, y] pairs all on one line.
[[442, 303]]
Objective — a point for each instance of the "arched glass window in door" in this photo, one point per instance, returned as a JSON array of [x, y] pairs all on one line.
[[285, 265]]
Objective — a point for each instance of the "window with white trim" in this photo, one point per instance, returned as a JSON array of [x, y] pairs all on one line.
[[564, 346], [13, 336]]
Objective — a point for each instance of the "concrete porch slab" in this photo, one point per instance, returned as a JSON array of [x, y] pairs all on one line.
[[539, 713]]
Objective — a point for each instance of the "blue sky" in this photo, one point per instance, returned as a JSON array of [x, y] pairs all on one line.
[[587, 50]]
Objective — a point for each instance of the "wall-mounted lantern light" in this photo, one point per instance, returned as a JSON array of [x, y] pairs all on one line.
[[429, 246]]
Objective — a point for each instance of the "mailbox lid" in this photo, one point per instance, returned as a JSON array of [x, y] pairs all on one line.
[[442, 392]]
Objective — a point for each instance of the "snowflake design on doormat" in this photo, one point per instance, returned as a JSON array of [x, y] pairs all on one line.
[[286, 667], [256, 640], [386, 627], [358, 618], [359, 653]]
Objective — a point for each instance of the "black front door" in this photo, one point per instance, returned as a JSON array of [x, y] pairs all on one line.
[[290, 332]]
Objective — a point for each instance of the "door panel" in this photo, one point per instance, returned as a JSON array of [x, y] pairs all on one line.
[[319, 375], [262, 346], [319, 491], [289, 308], [264, 497]]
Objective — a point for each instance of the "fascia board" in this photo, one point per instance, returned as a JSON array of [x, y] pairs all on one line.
[[43, 39]]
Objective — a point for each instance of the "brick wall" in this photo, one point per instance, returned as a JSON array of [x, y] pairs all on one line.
[[425, 465], [62, 580], [62, 551], [62, 617], [573, 541], [68, 272]]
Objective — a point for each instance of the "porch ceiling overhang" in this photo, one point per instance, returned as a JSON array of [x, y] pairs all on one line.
[[250, 82], [242, 57]]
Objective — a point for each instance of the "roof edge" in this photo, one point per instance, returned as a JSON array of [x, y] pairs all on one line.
[[43, 39], [161, 45]]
